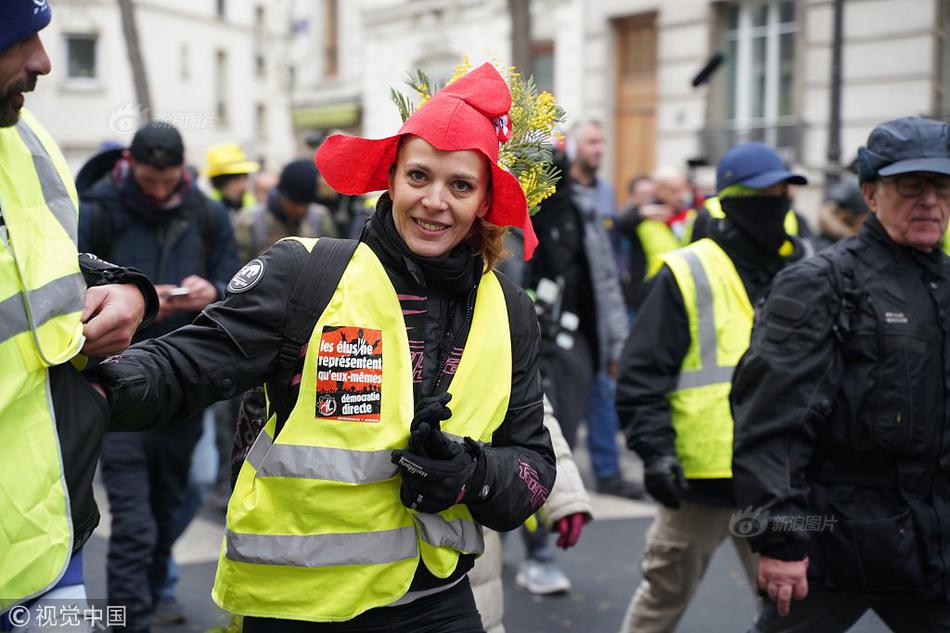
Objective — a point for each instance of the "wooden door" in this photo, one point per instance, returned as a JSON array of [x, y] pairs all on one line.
[[635, 149]]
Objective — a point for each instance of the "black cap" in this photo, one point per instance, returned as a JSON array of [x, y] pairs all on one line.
[[905, 145], [158, 143], [847, 194], [298, 180]]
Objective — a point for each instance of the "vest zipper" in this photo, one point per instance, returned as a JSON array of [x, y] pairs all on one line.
[[447, 353]]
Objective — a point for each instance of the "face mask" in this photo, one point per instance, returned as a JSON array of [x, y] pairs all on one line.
[[760, 218]]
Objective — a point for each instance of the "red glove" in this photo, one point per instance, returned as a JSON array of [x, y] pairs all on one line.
[[570, 528]]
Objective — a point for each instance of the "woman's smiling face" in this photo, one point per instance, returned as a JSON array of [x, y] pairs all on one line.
[[437, 195]]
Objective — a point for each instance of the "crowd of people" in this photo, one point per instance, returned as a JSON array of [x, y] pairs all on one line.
[[372, 402]]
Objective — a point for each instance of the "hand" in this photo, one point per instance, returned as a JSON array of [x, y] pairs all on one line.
[[111, 314], [439, 476], [570, 528], [432, 411], [664, 480], [202, 292], [657, 212], [783, 580], [612, 368]]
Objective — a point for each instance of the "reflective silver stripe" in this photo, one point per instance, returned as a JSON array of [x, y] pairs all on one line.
[[710, 373], [54, 191], [56, 298], [322, 550], [461, 439], [459, 534], [259, 449], [412, 596], [705, 377], [320, 462]]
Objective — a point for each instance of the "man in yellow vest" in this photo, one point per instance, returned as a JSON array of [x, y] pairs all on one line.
[[228, 171], [659, 224], [55, 305], [673, 389]]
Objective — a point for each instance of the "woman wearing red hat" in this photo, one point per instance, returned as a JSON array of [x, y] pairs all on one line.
[[419, 412]]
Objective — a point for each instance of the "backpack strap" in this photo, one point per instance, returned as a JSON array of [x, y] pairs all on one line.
[[315, 286], [849, 300]]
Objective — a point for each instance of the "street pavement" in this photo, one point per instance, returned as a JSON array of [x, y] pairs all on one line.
[[603, 568]]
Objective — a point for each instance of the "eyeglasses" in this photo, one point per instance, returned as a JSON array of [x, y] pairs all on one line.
[[913, 185]]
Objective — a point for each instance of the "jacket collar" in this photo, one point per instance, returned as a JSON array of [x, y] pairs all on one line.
[[873, 233]]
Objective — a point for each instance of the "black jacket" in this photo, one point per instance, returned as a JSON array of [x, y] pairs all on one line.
[[633, 281], [654, 352], [840, 408], [560, 255], [233, 346], [82, 416]]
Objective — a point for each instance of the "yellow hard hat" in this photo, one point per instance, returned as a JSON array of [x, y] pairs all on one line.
[[225, 159]]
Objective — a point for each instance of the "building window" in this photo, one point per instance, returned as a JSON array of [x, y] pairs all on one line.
[[221, 86], [81, 56], [943, 85], [330, 39], [260, 122], [758, 38], [260, 35], [221, 8], [184, 63], [542, 65]]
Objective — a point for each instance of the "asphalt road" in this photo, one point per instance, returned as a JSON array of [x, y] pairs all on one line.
[[603, 568]]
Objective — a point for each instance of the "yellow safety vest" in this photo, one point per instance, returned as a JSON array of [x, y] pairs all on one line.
[[315, 527], [247, 200], [714, 206], [945, 242], [720, 323], [41, 300], [657, 238]]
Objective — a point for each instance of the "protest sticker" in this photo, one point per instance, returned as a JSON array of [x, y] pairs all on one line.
[[350, 373]]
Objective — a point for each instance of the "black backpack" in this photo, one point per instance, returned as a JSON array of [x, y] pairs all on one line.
[[318, 280]]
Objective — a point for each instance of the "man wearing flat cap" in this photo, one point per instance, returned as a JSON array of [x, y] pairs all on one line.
[[841, 458]]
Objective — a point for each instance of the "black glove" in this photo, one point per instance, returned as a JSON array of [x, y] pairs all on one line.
[[431, 411], [664, 480], [437, 473]]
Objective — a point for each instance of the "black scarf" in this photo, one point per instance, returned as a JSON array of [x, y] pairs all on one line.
[[145, 208], [761, 218], [456, 272]]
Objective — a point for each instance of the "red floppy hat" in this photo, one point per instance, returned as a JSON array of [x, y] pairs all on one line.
[[471, 113]]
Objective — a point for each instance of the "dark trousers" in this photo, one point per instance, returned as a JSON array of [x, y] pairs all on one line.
[[828, 611], [568, 377], [145, 474], [449, 611]]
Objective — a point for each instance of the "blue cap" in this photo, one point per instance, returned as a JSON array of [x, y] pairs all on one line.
[[754, 165], [905, 145], [19, 19]]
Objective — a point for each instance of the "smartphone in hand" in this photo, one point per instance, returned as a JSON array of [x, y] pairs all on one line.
[[178, 291]]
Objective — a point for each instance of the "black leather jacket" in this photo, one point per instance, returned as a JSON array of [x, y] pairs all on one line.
[[840, 411]]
